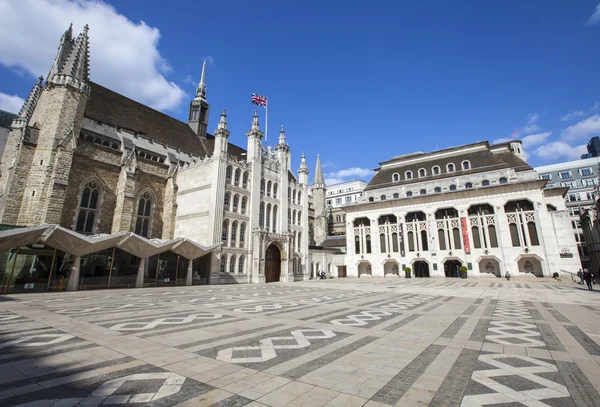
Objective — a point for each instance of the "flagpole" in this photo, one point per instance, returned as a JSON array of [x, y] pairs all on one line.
[[267, 121]]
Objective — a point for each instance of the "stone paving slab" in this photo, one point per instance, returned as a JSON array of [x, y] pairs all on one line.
[[338, 342]]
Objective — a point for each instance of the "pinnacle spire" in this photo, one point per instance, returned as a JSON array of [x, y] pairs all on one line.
[[282, 136], [29, 105], [71, 65], [201, 91], [222, 126], [319, 180], [255, 124]]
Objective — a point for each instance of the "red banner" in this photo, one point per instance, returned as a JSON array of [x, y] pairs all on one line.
[[465, 235]]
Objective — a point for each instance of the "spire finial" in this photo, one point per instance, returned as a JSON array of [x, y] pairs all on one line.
[[255, 124], [201, 90], [282, 136], [31, 101], [222, 126], [319, 180]]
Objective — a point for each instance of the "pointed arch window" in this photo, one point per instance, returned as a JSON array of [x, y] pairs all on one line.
[[293, 217], [368, 241], [144, 215], [289, 216], [275, 187], [274, 228], [294, 196], [245, 180], [244, 205], [268, 217], [299, 218], [225, 231], [228, 174], [241, 264], [356, 244], [299, 242], [269, 188], [236, 179], [234, 227], [262, 186], [261, 215], [232, 264], [87, 218], [223, 263], [242, 234], [298, 198], [227, 200], [236, 202]]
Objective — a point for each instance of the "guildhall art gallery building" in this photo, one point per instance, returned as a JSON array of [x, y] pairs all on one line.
[[99, 191]]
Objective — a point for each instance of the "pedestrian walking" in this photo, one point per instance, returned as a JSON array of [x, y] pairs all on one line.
[[580, 275], [587, 276]]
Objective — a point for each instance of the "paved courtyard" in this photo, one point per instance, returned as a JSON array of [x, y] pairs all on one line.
[[371, 342]]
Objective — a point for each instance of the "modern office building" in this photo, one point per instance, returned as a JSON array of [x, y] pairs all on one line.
[[338, 196], [581, 177]]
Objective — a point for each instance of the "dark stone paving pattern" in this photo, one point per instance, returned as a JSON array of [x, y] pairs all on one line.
[[233, 401], [315, 364], [453, 329], [455, 384], [402, 322], [549, 337], [233, 335], [395, 388], [588, 344], [580, 388]]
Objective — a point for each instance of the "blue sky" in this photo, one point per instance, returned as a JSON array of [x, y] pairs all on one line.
[[356, 82]]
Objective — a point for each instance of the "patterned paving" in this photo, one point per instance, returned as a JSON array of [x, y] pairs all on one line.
[[371, 342]]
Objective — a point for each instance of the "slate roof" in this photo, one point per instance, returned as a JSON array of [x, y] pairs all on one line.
[[481, 160], [334, 241], [114, 109], [6, 118]]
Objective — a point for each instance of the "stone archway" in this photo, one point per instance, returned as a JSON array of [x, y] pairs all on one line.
[[391, 267], [530, 265], [421, 268], [451, 268], [272, 264], [490, 266], [364, 267]]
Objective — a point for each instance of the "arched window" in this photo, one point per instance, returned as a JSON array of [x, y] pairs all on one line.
[[441, 239], [289, 216], [241, 265], [225, 231], [408, 175], [228, 174], [293, 217], [533, 236], [236, 180], [485, 183], [466, 165], [299, 244], [424, 240], [382, 197], [409, 193], [502, 180], [274, 190], [435, 170], [274, 228], [452, 187], [262, 186], [382, 243], [395, 242], [422, 172], [423, 192], [289, 194], [261, 215], [244, 204], [438, 190], [144, 215], [493, 237], [396, 177], [223, 263], [294, 196], [269, 188], [371, 199], [368, 240], [450, 167], [242, 234], [232, 264], [457, 238], [236, 202], [227, 200], [411, 241], [299, 218], [298, 198], [396, 195], [87, 218], [356, 245], [476, 238], [469, 185], [514, 235], [234, 227], [245, 180], [268, 217]]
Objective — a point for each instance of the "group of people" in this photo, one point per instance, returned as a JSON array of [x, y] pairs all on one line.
[[586, 276]]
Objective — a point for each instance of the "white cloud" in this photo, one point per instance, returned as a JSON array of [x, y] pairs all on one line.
[[596, 106], [332, 181], [533, 117], [583, 129], [10, 103], [531, 126], [595, 18], [528, 141], [559, 149], [124, 55], [351, 172], [572, 115]]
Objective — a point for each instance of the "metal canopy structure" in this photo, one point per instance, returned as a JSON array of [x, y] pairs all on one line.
[[76, 244]]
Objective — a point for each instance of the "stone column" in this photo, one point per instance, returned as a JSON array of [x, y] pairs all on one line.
[[74, 275], [139, 281], [188, 277]]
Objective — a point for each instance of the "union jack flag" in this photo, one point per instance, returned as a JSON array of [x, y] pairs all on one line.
[[259, 100]]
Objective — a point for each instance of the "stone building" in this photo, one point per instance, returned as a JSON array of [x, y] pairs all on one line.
[[338, 196], [581, 177], [90, 160], [479, 205], [6, 119]]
